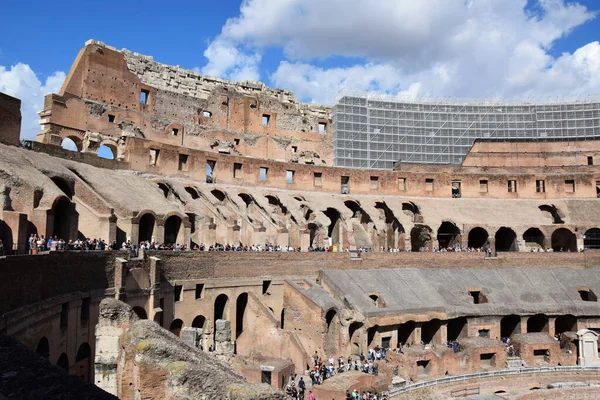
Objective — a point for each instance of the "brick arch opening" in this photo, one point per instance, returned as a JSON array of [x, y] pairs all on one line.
[[147, 227], [564, 240], [420, 237], [457, 328], [354, 335], [506, 239], [192, 191], [405, 332], [240, 313], [199, 322], [83, 362], [64, 217], [221, 309], [72, 143], [565, 323], [43, 348], [430, 330], [478, 238], [333, 230], [448, 235], [176, 326], [106, 151], [173, 230], [63, 362], [332, 332], [510, 325], [537, 323], [65, 186], [534, 236], [591, 239]]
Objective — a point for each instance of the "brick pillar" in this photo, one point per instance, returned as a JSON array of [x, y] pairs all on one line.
[[551, 326], [17, 223], [154, 299], [134, 233], [443, 333], [112, 228], [417, 334], [160, 230], [120, 274]]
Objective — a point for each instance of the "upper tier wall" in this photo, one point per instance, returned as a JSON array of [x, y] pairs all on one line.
[[119, 93]]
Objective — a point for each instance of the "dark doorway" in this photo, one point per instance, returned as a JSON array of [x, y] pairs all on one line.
[[537, 323], [565, 323], [429, 331], [448, 234], [176, 326], [533, 236], [43, 348], [240, 310], [457, 328], [141, 313], [199, 322], [83, 362], [172, 229], [63, 362], [147, 223], [63, 211], [564, 240], [591, 239], [506, 239], [420, 237], [405, 332], [478, 238], [510, 325]]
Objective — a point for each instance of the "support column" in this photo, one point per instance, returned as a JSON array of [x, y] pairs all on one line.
[[160, 230], [112, 228], [119, 277], [552, 326], [154, 299], [417, 333], [443, 334]]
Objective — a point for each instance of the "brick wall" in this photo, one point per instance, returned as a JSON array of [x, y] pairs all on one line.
[[29, 279], [10, 120]]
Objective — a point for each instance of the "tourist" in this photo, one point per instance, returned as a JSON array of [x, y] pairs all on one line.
[[1, 248], [311, 395]]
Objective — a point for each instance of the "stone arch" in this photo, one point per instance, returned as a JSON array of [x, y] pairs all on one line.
[[106, 151], [332, 332], [176, 326], [394, 229], [64, 218], [240, 313], [333, 230], [219, 195], [405, 332], [478, 238], [164, 188], [6, 235], [564, 240], [591, 239], [141, 312], [63, 362], [72, 143], [43, 348], [506, 239], [448, 235], [193, 192], [64, 185], [430, 331], [565, 323], [537, 323], [420, 237], [199, 322], [147, 226], [357, 211], [221, 309], [510, 325], [534, 235], [174, 231], [354, 335], [246, 198], [83, 362]]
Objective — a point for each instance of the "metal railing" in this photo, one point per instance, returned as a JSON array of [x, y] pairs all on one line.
[[489, 374]]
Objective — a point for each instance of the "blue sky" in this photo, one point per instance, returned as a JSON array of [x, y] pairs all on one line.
[[459, 48]]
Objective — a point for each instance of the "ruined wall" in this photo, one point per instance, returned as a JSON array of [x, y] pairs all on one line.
[[516, 153], [120, 93], [10, 120]]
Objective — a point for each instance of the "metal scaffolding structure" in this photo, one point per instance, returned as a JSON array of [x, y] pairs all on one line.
[[376, 131]]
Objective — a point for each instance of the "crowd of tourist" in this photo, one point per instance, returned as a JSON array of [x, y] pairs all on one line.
[[38, 243]]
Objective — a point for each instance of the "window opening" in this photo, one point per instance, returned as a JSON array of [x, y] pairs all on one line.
[[429, 185], [540, 186], [154, 156], [199, 290], [483, 185], [237, 170], [111, 118], [570, 186], [183, 159], [263, 173], [266, 119], [289, 176], [455, 190], [322, 128], [265, 287], [512, 186], [177, 291], [318, 179], [345, 184], [144, 96]]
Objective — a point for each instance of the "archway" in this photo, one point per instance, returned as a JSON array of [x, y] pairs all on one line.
[[354, 335], [448, 234], [146, 227], [240, 312], [107, 152], [173, 231], [63, 362], [565, 323], [420, 237], [506, 239], [192, 192], [176, 326], [71, 143], [332, 332], [63, 211], [43, 348], [429, 331], [478, 238], [537, 323], [533, 236], [6, 236], [510, 325], [221, 308], [141, 312], [405, 332], [591, 239], [457, 328], [393, 227], [83, 362], [333, 231], [199, 322], [564, 240], [64, 186]]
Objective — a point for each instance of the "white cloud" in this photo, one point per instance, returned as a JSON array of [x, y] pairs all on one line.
[[21, 82], [480, 48]]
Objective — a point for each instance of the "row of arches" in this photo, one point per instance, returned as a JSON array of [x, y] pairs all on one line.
[[83, 359], [74, 143], [173, 225]]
